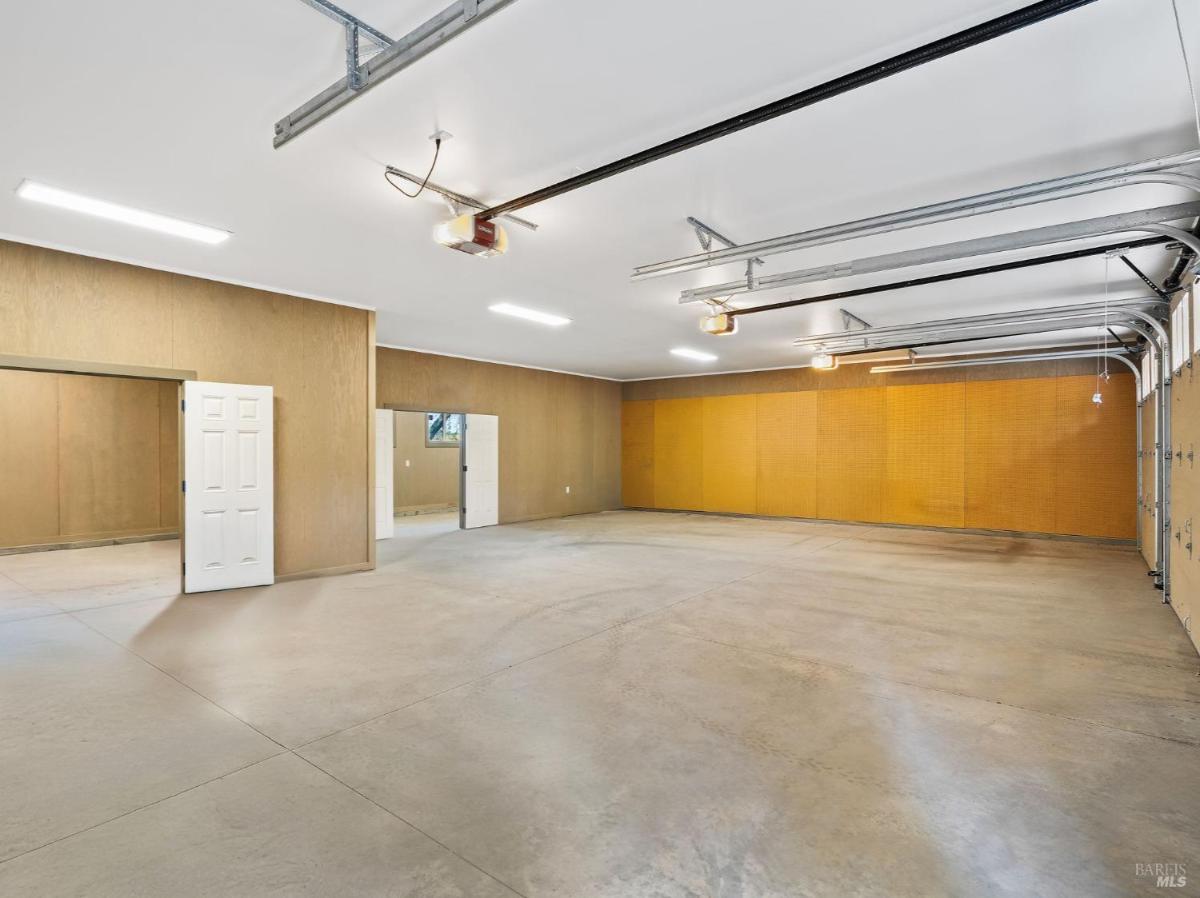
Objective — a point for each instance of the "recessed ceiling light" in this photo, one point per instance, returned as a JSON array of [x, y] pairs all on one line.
[[693, 354], [64, 199], [507, 308]]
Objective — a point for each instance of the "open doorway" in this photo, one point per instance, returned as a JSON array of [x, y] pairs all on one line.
[[438, 471], [427, 468], [89, 464]]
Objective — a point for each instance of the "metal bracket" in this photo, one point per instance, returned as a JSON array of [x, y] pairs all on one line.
[[850, 322], [354, 74], [393, 56], [706, 235]]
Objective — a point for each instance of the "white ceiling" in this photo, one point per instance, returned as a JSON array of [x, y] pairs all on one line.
[[170, 107]]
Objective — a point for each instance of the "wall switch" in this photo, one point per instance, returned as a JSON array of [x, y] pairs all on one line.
[[407, 463], [568, 490]]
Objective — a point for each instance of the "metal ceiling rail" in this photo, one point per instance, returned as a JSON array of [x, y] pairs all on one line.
[[1145, 220], [398, 55], [1048, 356], [861, 339], [1145, 171], [946, 46], [958, 275]]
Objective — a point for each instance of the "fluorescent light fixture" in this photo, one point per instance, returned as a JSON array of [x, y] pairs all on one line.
[[64, 199], [507, 308], [694, 354]]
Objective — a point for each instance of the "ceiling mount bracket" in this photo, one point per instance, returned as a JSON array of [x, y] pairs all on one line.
[[850, 321], [393, 56]]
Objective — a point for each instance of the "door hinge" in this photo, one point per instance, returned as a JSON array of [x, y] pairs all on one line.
[[464, 469], [183, 405], [185, 567], [183, 486]]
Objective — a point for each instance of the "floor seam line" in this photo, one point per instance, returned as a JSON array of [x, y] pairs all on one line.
[[176, 679], [871, 676], [144, 807], [409, 824]]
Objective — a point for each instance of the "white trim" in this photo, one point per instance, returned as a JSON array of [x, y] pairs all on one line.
[[63, 248], [471, 358]]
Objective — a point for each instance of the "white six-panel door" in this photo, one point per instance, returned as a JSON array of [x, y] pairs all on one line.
[[229, 487], [481, 477], [385, 460]]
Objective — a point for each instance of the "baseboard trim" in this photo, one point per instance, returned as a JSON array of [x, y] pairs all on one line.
[[970, 531], [325, 572], [90, 543]]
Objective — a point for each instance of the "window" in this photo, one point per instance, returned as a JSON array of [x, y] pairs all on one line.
[[1191, 295], [1149, 375], [443, 429], [1181, 331]]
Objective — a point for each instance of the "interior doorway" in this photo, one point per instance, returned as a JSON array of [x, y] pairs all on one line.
[[443, 469], [89, 488], [87, 460], [97, 457]]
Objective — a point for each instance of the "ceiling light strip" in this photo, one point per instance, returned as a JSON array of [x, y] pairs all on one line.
[[138, 218]]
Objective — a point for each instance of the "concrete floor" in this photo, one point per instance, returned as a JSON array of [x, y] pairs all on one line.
[[626, 704]]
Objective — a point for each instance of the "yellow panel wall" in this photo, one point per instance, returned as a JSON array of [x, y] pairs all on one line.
[[678, 453], [1030, 455], [730, 454], [851, 454], [925, 458], [787, 454], [1010, 458], [1096, 476], [637, 454]]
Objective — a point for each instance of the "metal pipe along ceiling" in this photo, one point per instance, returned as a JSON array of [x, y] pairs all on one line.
[[957, 275], [861, 339], [946, 46], [1144, 220], [1146, 171]]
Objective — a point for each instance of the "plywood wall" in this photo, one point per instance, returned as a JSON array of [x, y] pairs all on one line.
[[1030, 455], [86, 458], [424, 475], [319, 358], [556, 430]]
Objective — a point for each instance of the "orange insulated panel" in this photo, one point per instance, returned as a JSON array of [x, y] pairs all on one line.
[[787, 454], [925, 455], [1010, 457], [730, 455], [678, 453], [851, 454], [637, 454], [1096, 484]]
